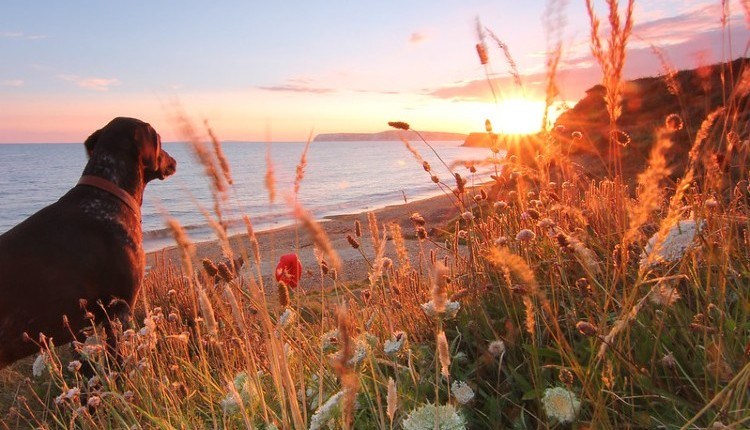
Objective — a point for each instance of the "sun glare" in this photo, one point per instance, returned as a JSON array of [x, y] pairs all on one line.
[[518, 116]]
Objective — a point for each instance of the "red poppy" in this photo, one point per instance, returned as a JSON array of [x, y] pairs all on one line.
[[289, 270]]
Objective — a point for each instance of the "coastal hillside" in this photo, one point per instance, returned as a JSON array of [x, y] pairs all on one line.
[[685, 99], [388, 135]]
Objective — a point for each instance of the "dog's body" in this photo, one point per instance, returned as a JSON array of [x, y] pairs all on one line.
[[84, 250]]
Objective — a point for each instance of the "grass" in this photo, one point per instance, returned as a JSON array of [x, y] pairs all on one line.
[[551, 301]]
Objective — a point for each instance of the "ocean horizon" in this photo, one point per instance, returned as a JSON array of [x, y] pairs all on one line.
[[340, 178]]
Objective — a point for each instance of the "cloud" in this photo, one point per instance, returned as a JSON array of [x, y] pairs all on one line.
[[298, 85], [12, 83], [20, 35], [681, 38], [96, 84], [417, 37]]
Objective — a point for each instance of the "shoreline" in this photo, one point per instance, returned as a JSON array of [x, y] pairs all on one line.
[[273, 243]]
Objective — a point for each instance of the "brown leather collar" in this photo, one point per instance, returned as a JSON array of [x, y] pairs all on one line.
[[110, 187]]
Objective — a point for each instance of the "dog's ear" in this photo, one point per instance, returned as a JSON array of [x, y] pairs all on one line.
[[91, 141], [148, 142]]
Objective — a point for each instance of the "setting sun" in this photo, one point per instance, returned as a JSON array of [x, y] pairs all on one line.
[[518, 116]]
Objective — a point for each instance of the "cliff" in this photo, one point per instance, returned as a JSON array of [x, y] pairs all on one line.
[[646, 103], [388, 135]]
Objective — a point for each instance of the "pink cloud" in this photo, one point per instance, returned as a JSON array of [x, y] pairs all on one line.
[[90, 83], [16, 83], [680, 38]]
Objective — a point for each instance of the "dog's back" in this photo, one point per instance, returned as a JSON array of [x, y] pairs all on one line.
[[79, 248], [83, 253]]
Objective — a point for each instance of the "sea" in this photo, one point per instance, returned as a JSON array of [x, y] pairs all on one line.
[[339, 178]]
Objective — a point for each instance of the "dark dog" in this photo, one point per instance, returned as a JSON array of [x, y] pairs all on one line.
[[84, 250]]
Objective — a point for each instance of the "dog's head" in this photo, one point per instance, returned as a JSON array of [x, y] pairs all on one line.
[[135, 140]]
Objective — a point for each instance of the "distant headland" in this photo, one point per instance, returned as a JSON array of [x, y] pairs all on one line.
[[388, 135]]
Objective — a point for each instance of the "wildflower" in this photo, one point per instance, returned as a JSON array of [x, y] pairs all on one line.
[[39, 365], [586, 328], [496, 348], [664, 295], [668, 361], [501, 241], [395, 343], [462, 392], [72, 393], [678, 240], [74, 366], [326, 411], [425, 416], [566, 377], [289, 270], [94, 382], [576, 135], [711, 204], [330, 340], [451, 309], [360, 350], [525, 235], [467, 216], [561, 404], [500, 205], [94, 401], [287, 317], [545, 223], [243, 392]]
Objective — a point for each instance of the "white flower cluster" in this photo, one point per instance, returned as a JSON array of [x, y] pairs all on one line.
[[395, 343], [40, 365], [326, 411], [244, 388], [287, 317], [678, 240], [561, 404], [451, 309], [330, 340], [423, 418], [462, 392]]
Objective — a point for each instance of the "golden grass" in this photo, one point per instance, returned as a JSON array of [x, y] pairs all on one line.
[[540, 283]]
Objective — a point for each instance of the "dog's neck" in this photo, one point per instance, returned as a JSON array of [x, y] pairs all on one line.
[[118, 172]]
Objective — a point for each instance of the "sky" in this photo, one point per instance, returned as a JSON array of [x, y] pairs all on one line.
[[280, 71]]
